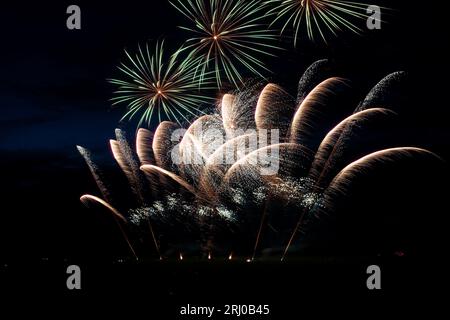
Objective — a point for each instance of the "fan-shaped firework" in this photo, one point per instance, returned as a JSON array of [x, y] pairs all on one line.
[[227, 35], [319, 16], [262, 163], [158, 84]]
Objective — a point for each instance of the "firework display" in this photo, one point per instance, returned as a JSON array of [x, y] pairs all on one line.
[[253, 159], [264, 161]]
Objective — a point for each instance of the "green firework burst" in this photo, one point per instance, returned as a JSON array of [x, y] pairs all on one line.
[[229, 36], [160, 85], [319, 16]]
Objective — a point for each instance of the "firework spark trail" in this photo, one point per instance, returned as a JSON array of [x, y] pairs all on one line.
[[163, 145], [86, 199], [244, 106], [155, 241], [274, 110], [127, 169], [125, 157], [319, 16], [343, 180], [227, 113], [318, 72], [261, 226], [227, 35], [296, 229], [384, 92], [151, 169], [316, 112], [95, 171], [238, 111], [331, 148], [144, 142], [146, 156], [158, 84]]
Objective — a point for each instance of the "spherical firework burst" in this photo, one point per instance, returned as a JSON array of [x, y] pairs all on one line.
[[228, 35], [159, 85], [255, 174], [319, 16]]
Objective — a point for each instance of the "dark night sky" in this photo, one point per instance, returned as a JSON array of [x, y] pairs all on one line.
[[54, 95]]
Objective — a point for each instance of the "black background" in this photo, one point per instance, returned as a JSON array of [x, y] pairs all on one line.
[[54, 96]]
